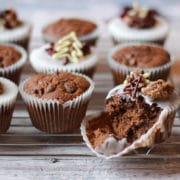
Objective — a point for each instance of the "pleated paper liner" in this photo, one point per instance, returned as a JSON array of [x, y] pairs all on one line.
[[7, 103], [120, 71], [52, 117]]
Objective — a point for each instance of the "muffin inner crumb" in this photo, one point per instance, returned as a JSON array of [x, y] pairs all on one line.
[[131, 117], [99, 129]]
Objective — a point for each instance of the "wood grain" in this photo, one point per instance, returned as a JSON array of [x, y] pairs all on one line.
[[88, 168], [27, 153]]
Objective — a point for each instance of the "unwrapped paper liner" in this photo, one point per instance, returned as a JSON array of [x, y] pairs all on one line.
[[159, 132]]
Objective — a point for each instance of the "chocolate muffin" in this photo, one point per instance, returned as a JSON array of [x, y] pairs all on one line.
[[8, 94], [67, 54], [138, 114], [13, 29], [143, 57], [8, 56], [12, 60], [57, 102], [86, 30], [139, 24]]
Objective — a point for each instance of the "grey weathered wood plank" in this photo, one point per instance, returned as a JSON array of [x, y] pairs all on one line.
[[87, 168]]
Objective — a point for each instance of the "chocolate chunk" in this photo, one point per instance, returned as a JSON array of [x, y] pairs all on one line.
[[70, 87], [38, 91], [50, 88]]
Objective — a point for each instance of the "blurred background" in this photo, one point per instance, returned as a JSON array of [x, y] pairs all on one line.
[[44, 11], [41, 12]]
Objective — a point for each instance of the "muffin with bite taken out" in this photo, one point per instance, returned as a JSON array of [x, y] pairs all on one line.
[[139, 113]]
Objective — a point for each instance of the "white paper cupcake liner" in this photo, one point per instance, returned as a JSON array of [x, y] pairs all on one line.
[[13, 71], [120, 71], [93, 36], [159, 132], [19, 35], [121, 33], [43, 63], [51, 116], [7, 103]]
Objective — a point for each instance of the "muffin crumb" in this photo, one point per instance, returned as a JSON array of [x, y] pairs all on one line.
[[64, 26], [159, 89], [99, 129]]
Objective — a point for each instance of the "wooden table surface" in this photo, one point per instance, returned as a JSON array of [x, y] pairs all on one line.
[[26, 153]]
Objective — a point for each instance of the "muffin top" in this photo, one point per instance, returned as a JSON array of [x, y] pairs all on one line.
[[99, 129], [8, 56], [64, 26], [63, 86], [142, 56]]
